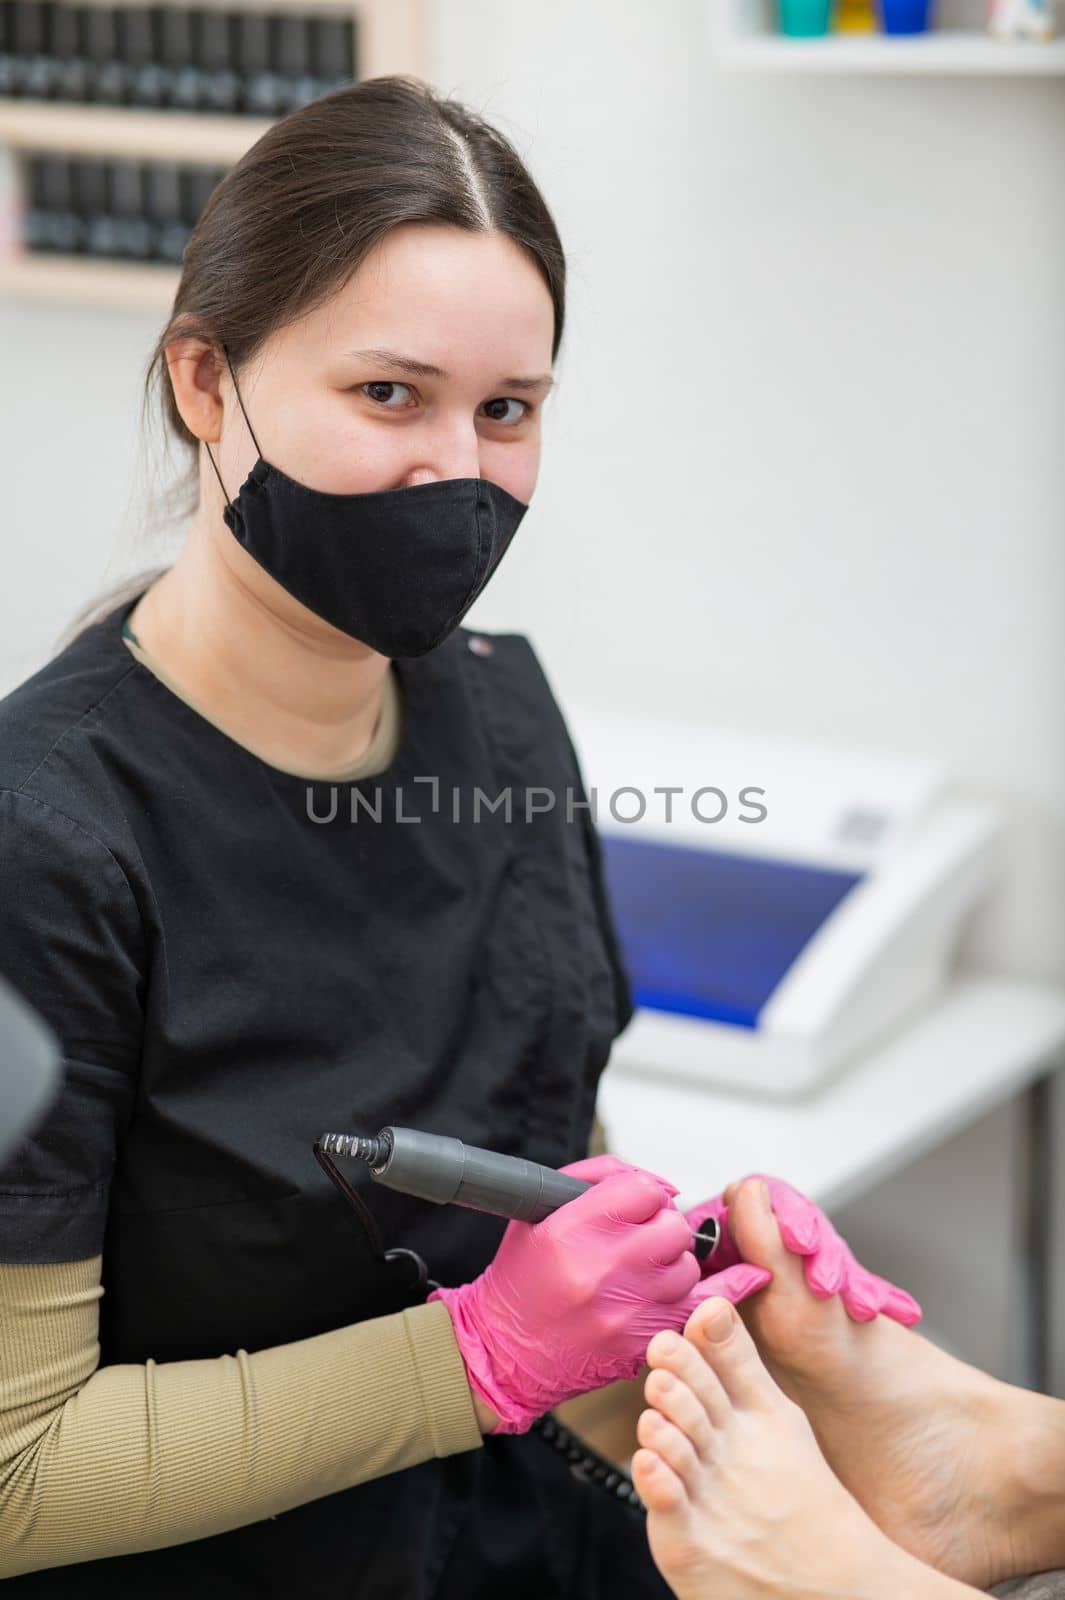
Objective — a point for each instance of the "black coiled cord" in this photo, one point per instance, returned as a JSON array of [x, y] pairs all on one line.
[[588, 1462]]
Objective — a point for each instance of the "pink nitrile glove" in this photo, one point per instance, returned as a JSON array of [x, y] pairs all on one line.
[[570, 1303], [828, 1261]]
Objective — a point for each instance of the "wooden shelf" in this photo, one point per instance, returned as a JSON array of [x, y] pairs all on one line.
[[135, 285], [391, 38], [185, 136]]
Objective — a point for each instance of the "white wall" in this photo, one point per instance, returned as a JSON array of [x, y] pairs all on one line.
[[804, 468], [77, 474]]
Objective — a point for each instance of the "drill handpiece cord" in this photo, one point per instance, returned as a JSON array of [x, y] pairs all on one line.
[[445, 1171]]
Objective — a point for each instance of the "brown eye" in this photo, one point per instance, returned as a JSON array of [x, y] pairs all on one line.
[[507, 401], [382, 383]]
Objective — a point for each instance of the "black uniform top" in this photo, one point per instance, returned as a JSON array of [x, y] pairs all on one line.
[[238, 959]]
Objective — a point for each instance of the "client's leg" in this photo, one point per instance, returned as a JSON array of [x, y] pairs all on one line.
[[741, 1503]]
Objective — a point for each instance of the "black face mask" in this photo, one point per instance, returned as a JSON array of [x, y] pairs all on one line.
[[396, 568]]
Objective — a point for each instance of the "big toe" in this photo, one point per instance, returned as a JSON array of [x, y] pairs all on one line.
[[728, 1349], [756, 1232]]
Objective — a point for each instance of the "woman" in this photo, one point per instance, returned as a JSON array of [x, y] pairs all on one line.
[[247, 878]]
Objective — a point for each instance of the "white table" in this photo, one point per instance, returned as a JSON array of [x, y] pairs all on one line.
[[985, 1041]]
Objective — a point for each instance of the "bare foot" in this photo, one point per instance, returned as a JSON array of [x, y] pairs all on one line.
[[920, 1439], [741, 1504]]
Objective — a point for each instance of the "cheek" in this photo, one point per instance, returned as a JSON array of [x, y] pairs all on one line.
[[515, 468], [344, 455]]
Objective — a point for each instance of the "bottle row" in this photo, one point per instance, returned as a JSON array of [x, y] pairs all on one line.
[[177, 58], [117, 209]]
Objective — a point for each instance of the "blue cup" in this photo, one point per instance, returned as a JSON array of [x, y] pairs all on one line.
[[805, 19], [905, 16]]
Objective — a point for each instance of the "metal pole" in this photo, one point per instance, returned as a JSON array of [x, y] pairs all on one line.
[[1037, 1228]]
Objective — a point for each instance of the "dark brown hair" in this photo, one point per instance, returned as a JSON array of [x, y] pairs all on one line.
[[294, 218]]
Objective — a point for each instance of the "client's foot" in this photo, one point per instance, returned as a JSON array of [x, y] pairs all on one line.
[[921, 1440], [741, 1504]]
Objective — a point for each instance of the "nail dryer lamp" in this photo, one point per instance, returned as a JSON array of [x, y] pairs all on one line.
[[768, 955]]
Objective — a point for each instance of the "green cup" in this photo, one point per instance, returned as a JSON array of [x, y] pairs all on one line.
[[805, 19]]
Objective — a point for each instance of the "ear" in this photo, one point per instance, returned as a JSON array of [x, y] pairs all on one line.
[[197, 374]]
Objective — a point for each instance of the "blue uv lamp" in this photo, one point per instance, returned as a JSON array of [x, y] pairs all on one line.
[[768, 956], [712, 935]]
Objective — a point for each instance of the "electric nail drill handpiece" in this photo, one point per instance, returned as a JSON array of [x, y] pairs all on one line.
[[445, 1171]]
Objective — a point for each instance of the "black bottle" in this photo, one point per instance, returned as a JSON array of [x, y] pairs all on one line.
[[218, 53], [33, 219], [10, 74], [294, 60], [65, 226], [197, 185], [73, 70], [333, 52], [49, 221], [132, 232], [36, 71], [263, 90], [183, 80], [163, 202], [92, 202], [109, 81], [141, 52]]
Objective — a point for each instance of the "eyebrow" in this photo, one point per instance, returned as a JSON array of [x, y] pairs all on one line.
[[425, 369]]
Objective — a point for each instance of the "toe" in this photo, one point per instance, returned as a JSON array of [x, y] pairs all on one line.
[[676, 1402], [684, 1362], [656, 1483], [757, 1234], [655, 1433], [720, 1337]]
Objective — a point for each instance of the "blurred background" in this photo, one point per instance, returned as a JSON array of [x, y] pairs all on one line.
[[803, 473]]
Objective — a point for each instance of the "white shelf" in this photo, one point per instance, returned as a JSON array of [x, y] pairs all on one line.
[[930, 54], [744, 36], [986, 1039]]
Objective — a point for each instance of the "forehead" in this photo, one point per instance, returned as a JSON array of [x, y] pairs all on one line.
[[453, 298]]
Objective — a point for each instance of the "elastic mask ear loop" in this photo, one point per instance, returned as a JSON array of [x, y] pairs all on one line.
[[251, 430]]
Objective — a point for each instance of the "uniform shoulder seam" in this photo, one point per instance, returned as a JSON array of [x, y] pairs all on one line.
[[127, 672], [21, 794]]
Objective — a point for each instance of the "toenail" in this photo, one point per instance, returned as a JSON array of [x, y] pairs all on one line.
[[665, 1382], [718, 1324], [669, 1343]]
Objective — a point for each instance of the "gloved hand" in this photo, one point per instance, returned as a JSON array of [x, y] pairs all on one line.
[[828, 1263], [571, 1303]]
